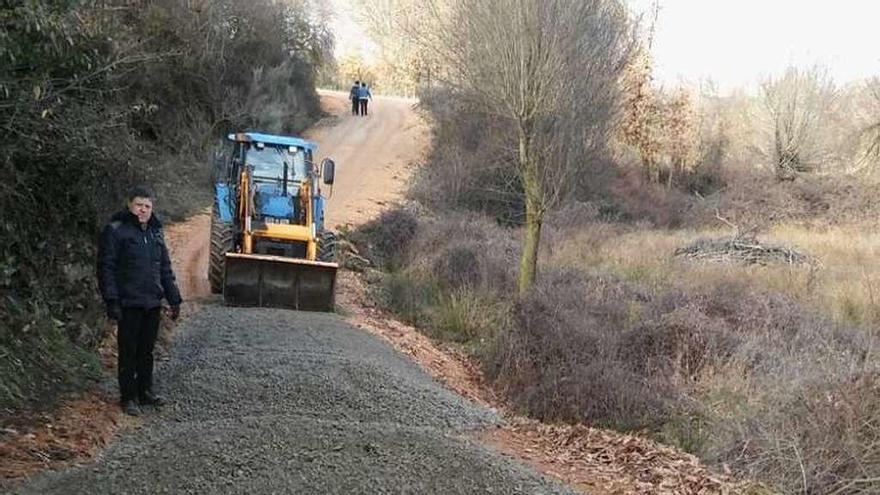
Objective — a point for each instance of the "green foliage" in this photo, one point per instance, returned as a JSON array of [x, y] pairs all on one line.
[[466, 316], [43, 358], [386, 240], [410, 296], [96, 96]]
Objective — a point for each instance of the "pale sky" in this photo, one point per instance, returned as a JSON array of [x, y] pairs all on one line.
[[735, 43], [738, 42]]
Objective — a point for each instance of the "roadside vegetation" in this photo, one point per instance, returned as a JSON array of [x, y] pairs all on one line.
[[97, 96], [707, 275]]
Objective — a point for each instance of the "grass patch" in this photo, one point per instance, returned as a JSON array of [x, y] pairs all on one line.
[[38, 361], [466, 317], [847, 286], [410, 296]]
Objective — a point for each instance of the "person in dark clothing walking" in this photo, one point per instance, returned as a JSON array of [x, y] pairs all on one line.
[[134, 275], [364, 96], [354, 96]]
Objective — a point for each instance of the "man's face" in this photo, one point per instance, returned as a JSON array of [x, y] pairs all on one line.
[[142, 208]]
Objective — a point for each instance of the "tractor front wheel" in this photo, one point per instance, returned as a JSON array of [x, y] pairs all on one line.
[[327, 246], [221, 243]]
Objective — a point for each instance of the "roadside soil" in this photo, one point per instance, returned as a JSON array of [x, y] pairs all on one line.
[[375, 157]]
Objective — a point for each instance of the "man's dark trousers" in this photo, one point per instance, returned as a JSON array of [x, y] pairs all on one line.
[[136, 338], [355, 105]]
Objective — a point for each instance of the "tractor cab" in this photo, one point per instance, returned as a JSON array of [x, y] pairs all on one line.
[[279, 167]]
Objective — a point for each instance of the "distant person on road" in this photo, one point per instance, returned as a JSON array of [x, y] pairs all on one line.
[[134, 275], [354, 96], [364, 96]]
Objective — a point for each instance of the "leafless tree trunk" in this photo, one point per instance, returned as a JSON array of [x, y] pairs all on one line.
[[547, 68], [872, 131], [797, 103]]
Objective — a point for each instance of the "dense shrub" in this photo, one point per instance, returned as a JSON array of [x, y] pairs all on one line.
[[752, 198], [745, 378], [558, 360], [95, 97], [467, 251], [470, 170], [795, 403], [634, 199], [386, 239], [449, 276]]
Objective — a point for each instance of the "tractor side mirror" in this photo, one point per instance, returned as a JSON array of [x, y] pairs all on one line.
[[328, 170]]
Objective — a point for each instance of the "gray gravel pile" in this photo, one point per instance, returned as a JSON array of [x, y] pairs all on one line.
[[306, 364], [271, 401]]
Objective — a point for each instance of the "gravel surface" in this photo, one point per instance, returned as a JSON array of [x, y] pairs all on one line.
[[272, 401]]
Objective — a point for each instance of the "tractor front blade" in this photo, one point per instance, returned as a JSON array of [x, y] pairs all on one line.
[[279, 282]]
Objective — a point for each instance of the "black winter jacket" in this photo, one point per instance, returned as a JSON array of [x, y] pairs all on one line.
[[134, 269]]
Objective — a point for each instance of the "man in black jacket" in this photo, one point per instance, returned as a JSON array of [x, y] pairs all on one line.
[[134, 274]]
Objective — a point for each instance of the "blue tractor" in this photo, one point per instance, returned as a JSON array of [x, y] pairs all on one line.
[[269, 246]]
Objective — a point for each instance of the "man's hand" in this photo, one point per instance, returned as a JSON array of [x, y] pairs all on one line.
[[174, 313], [114, 312]]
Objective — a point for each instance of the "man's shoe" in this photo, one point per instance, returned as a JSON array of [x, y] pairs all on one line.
[[150, 399], [131, 408]]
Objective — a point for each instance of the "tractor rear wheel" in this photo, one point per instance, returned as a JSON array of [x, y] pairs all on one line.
[[327, 246], [221, 243]]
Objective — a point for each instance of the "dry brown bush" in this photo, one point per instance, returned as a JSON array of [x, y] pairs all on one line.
[[677, 345], [470, 171], [796, 402], [751, 198], [386, 239], [633, 199], [745, 378], [467, 250], [560, 361], [454, 278]]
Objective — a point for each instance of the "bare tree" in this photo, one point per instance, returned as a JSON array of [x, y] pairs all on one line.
[[797, 103], [548, 71], [405, 65], [872, 130]]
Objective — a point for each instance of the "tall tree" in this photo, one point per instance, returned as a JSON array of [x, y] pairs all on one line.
[[548, 70], [797, 103]]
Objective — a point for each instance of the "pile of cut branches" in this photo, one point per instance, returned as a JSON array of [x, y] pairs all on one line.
[[743, 249]]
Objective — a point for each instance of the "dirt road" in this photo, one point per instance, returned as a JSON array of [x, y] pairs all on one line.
[[273, 401], [374, 154]]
